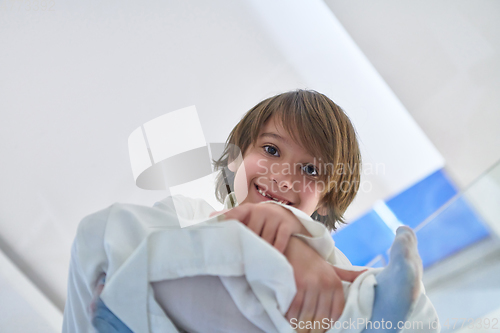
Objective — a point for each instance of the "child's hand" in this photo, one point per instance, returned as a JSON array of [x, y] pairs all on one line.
[[320, 294], [273, 223]]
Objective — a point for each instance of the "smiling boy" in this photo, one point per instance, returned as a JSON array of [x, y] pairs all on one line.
[[287, 174], [300, 150], [283, 139]]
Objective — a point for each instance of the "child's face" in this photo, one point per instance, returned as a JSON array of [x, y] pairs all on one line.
[[281, 168]]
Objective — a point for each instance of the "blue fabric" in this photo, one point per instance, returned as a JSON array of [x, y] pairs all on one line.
[[105, 321]]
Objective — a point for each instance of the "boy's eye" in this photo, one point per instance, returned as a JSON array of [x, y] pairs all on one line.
[[310, 170], [272, 150]]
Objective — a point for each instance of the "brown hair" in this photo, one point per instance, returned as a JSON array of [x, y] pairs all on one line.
[[322, 127]]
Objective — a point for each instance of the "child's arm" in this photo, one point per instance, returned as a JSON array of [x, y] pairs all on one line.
[[320, 294], [317, 281], [271, 222], [276, 225]]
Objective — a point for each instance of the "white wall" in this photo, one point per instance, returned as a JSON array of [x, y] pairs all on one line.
[[76, 81], [24, 308]]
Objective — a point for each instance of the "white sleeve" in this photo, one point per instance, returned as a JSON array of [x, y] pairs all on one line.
[[88, 261], [185, 207], [321, 239], [76, 312]]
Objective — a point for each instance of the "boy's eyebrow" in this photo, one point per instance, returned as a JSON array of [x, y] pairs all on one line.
[[276, 136]]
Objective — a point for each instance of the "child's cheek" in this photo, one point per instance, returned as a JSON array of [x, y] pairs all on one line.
[[309, 187], [261, 166]]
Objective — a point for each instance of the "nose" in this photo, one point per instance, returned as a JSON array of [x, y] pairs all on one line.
[[284, 182], [283, 175]]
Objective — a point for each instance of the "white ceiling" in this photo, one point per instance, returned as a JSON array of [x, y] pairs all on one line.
[[442, 59]]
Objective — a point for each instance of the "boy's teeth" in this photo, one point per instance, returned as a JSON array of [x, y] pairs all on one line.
[[270, 197]]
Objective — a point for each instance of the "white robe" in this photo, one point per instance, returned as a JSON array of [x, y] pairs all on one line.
[[135, 245]]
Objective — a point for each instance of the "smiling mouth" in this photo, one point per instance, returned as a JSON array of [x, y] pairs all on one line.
[[266, 195]]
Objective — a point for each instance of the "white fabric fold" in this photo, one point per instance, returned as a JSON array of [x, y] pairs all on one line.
[[136, 245]]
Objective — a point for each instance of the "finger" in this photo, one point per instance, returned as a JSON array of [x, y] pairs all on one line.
[[324, 310], [347, 275], [256, 223], [240, 213], [218, 212], [294, 309], [283, 235], [270, 229], [308, 308], [338, 303]]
